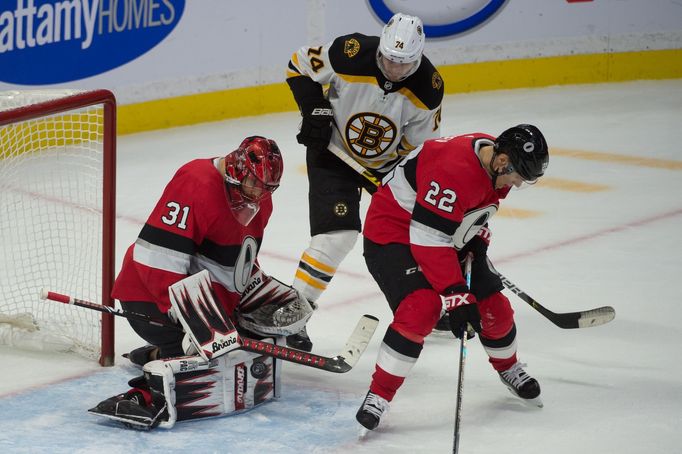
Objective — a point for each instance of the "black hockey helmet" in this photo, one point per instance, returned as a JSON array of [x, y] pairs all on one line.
[[527, 150]]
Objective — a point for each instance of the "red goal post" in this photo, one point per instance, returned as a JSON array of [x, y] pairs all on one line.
[[57, 216]]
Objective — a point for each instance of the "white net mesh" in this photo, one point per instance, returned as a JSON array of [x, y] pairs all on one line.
[[51, 196]]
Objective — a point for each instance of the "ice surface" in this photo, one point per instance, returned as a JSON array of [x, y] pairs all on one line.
[[609, 389]]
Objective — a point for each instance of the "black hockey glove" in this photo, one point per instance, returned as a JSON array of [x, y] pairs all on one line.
[[478, 245], [462, 310], [316, 127]]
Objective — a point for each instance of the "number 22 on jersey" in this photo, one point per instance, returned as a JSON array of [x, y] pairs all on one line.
[[442, 199]]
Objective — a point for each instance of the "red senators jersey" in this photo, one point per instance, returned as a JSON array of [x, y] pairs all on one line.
[[436, 200], [191, 229]]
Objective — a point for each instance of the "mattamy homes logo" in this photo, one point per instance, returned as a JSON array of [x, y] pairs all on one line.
[[49, 41]]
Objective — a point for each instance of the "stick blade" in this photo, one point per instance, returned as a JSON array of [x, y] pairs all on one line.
[[359, 339], [596, 317]]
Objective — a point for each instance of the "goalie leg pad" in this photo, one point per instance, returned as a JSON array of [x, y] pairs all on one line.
[[194, 388]]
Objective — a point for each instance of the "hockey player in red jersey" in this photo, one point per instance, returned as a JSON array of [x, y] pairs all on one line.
[[420, 225], [383, 99], [211, 216]]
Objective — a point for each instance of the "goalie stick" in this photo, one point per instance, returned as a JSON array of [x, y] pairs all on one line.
[[567, 320], [343, 362]]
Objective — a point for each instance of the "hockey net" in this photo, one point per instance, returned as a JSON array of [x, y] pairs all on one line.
[[57, 205]]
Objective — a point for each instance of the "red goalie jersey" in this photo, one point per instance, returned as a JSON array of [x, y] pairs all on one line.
[[191, 229], [436, 200]]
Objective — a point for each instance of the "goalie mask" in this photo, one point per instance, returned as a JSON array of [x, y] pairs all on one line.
[[252, 172], [400, 47]]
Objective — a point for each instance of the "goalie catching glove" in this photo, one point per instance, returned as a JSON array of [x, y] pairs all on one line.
[[269, 307]]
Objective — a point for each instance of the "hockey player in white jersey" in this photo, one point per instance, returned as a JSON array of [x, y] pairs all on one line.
[[383, 100]]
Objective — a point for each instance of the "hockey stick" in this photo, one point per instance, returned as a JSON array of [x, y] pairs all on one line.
[[462, 360], [353, 164], [565, 320], [343, 362]]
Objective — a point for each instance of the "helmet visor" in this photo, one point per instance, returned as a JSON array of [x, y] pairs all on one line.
[[511, 169], [394, 71], [512, 179]]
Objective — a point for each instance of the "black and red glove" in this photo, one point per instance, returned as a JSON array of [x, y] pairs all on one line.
[[462, 309]]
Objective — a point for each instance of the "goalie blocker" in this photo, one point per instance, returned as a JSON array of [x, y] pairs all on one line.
[[190, 387]]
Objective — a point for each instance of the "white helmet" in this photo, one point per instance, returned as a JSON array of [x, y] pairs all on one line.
[[402, 41]]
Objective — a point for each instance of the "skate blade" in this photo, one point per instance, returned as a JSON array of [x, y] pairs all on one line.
[[438, 334], [130, 423], [363, 432], [535, 403], [532, 403]]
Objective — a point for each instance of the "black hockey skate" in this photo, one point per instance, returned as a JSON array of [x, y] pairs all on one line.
[[442, 328], [130, 409], [521, 384], [142, 355], [371, 410], [300, 341]]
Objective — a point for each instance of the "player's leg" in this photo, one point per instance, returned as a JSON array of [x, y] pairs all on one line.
[[498, 334], [163, 342], [416, 308], [177, 389], [334, 212]]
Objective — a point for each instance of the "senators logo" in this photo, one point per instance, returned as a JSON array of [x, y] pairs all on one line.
[[369, 135], [351, 47]]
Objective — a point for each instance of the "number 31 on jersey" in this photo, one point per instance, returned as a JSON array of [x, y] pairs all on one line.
[[174, 217]]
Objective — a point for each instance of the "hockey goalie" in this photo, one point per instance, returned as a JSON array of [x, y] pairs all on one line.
[[194, 268], [213, 377]]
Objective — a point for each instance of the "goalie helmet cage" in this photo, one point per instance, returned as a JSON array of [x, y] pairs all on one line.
[[57, 215]]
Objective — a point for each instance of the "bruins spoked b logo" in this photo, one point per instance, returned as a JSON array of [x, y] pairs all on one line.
[[351, 47], [369, 134], [340, 209]]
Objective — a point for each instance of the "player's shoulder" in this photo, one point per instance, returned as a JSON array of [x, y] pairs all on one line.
[[427, 84], [354, 54], [197, 177], [197, 167], [451, 155]]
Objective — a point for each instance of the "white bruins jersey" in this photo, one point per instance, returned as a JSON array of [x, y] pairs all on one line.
[[377, 121]]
